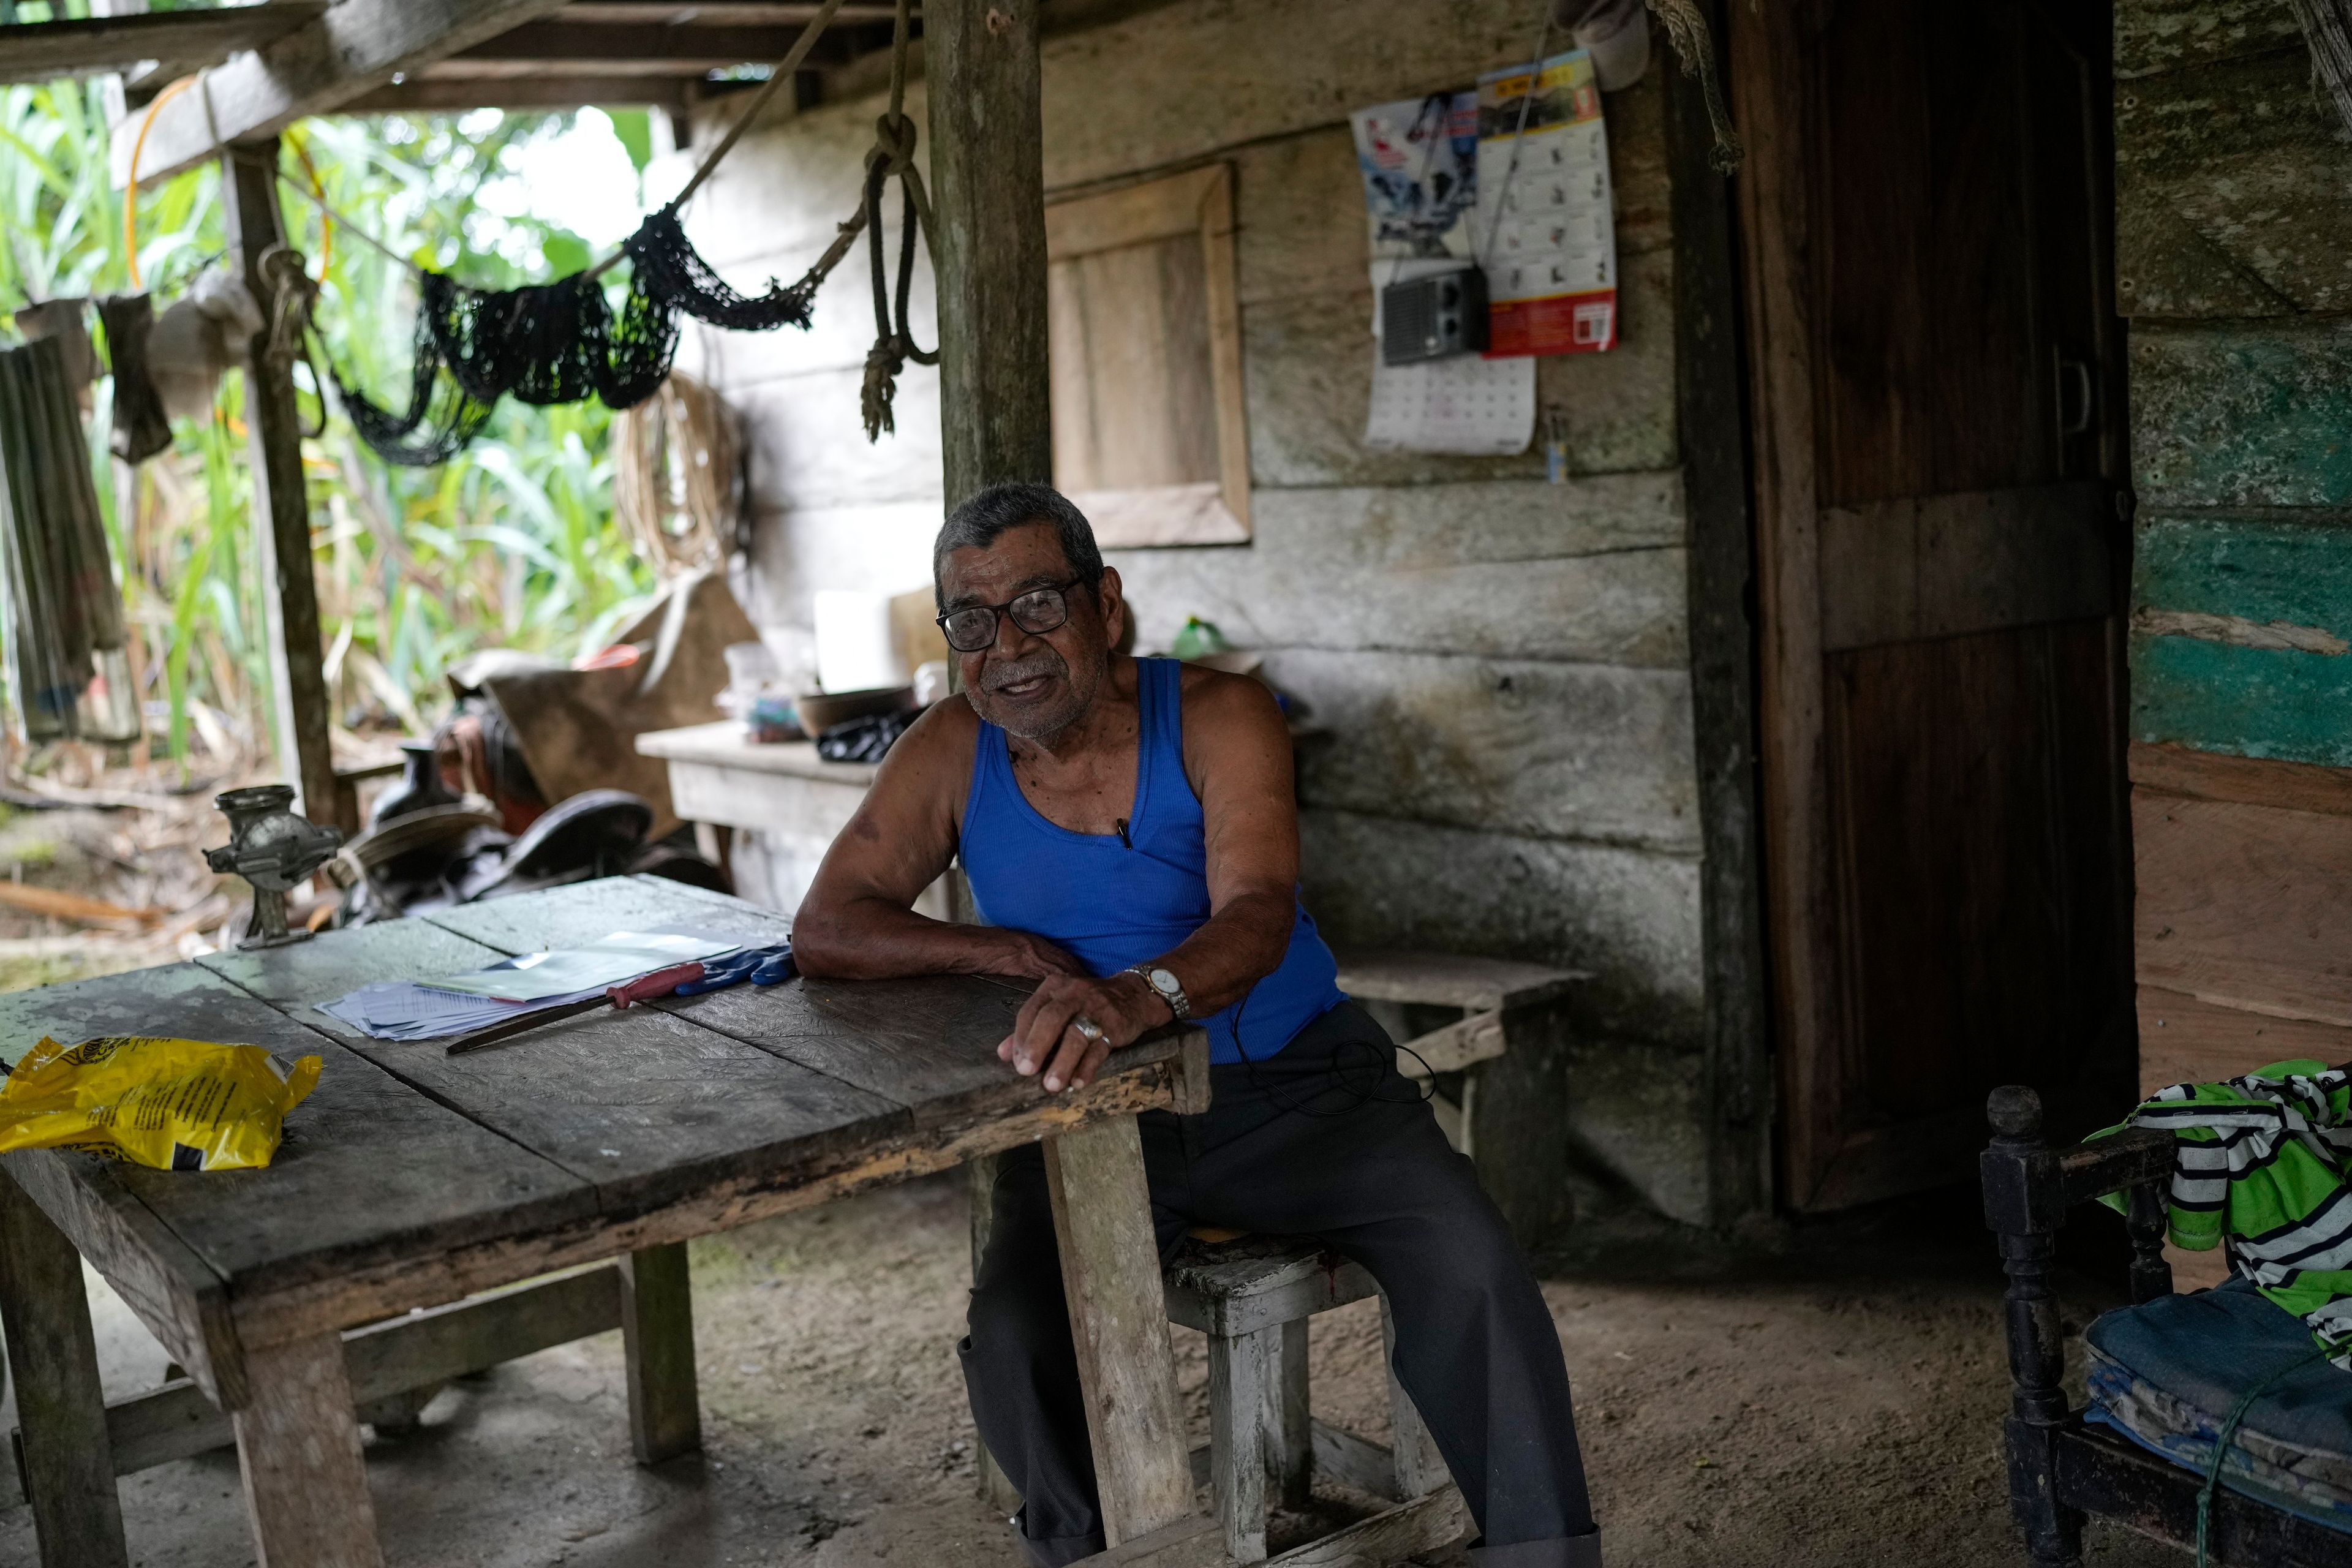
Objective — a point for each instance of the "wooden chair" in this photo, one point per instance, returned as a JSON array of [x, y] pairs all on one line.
[[2060, 1469], [1252, 1296]]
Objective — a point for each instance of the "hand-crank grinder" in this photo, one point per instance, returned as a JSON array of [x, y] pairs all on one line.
[[274, 849]]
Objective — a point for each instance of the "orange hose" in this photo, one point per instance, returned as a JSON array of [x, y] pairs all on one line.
[[317, 188], [130, 186]]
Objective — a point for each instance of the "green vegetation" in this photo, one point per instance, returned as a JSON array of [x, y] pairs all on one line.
[[511, 543]]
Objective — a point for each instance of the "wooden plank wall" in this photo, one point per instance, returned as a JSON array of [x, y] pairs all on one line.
[[2234, 263], [1503, 663]]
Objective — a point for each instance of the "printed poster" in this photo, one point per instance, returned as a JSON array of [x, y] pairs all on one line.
[[1551, 264], [1420, 163]]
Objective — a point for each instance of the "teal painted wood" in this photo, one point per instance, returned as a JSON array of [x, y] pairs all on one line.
[[2263, 569], [2243, 414], [2252, 702]]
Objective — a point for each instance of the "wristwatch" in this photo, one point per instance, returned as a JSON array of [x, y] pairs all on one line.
[[1170, 989]]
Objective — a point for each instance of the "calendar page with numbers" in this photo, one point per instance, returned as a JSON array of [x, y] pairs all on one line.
[[1543, 227]]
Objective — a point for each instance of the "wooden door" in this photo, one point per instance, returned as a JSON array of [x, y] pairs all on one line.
[[1937, 407]]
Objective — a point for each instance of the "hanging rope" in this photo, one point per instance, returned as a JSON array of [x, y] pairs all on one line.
[[290, 294], [893, 155], [1687, 28], [2327, 30]]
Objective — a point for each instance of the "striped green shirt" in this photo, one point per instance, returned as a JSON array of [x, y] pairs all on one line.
[[2262, 1162]]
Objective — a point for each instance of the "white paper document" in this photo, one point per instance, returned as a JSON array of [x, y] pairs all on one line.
[[624, 955], [459, 1003]]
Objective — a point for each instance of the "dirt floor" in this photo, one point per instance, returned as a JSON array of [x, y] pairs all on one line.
[[1838, 1404]]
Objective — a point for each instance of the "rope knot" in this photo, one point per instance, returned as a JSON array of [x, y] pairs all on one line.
[[894, 144], [883, 363]]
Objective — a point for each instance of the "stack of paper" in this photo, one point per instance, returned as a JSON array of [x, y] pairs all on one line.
[[457, 1003]]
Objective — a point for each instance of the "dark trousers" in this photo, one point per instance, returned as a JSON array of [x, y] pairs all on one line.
[[1326, 1139]]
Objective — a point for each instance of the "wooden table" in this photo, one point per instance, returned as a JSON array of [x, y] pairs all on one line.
[[412, 1179]]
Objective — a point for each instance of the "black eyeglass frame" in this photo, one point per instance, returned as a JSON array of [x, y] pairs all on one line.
[[996, 613]]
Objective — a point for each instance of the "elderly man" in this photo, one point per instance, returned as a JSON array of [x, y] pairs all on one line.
[[1129, 829]]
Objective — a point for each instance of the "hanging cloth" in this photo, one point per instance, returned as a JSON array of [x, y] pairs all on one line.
[[67, 669], [142, 428]]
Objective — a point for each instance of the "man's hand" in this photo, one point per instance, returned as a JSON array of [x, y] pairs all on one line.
[[1018, 956], [1046, 1034]]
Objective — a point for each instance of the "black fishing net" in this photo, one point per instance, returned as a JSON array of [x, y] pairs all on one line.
[[675, 271], [560, 341]]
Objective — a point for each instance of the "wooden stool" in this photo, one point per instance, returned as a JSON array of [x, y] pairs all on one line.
[[1252, 1296], [1492, 994]]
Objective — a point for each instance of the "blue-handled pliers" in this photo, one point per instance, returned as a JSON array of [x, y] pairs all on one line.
[[759, 965]]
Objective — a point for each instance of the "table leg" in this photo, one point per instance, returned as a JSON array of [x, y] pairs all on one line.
[[995, 1487], [60, 1409], [657, 1333], [298, 1442], [1110, 1272]]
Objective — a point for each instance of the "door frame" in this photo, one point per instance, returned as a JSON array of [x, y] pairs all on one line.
[[1768, 52], [1775, 195], [1736, 1079]]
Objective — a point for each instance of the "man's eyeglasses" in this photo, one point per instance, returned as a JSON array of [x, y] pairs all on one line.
[[1036, 612]]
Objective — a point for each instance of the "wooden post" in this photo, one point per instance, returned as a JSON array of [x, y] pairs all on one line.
[[1119, 1314], [60, 1409], [281, 506], [657, 1336], [298, 1444], [988, 194], [988, 190]]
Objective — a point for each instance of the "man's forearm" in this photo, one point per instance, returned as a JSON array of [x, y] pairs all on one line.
[[1239, 945], [874, 939]]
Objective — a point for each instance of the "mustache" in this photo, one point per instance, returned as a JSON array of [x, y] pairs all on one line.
[[1045, 662]]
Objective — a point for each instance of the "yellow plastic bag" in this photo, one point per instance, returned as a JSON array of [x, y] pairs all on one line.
[[177, 1105]]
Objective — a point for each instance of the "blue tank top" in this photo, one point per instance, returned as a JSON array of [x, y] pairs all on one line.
[[1116, 902]]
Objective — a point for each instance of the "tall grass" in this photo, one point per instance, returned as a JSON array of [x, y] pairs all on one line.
[[512, 543]]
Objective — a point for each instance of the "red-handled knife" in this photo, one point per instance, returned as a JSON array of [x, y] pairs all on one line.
[[643, 988]]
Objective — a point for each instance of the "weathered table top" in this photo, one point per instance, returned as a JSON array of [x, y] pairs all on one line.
[[411, 1178]]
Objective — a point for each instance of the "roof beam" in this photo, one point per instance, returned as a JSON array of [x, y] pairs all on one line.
[[431, 94], [767, 15], [567, 42], [354, 46], [47, 51]]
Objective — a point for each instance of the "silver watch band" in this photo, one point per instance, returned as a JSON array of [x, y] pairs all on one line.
[[1178, 1002]]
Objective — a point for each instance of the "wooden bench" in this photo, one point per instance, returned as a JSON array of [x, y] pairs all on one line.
[[1494, 995]]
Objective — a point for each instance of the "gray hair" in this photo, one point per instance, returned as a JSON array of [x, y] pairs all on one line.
[[983, 517]]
